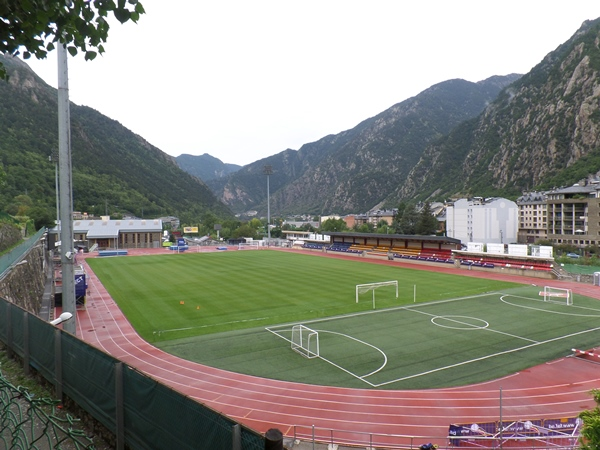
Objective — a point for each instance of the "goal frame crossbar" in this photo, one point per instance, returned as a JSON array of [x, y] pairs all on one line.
[[248, 245], [305, 341], [553, 294], [364, 288]]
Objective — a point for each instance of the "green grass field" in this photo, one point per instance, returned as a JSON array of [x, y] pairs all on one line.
[[235, 310]]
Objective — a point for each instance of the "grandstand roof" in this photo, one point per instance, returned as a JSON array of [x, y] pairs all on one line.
[[98, 228], [400, 237]]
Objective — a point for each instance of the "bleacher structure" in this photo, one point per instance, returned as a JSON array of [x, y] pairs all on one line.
[[435, 250]]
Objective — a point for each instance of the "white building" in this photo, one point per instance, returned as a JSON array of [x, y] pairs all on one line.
[[493, 220]]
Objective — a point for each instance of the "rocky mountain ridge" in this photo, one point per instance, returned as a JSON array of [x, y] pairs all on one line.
[[358, 168], [541, 131]]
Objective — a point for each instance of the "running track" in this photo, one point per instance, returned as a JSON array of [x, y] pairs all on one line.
[[556, 389]]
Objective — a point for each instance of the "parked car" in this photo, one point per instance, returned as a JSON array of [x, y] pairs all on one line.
[[573, 255]]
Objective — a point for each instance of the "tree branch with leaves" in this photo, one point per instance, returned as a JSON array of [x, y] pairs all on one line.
[[35, 27], [589, 438]]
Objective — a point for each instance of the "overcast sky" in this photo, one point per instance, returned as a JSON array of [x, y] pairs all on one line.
[[242, 80]]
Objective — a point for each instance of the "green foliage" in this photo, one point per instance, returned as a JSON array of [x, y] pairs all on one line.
[[246, 231], [365, 228], [407, 224], [427, 223], [589, 437], [35, 27], [115, 172], [334, 225]]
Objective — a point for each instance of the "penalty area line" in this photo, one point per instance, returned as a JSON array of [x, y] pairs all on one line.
[[211, 325]]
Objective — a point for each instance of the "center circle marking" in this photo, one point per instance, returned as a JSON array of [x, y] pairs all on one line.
[[460, 322]]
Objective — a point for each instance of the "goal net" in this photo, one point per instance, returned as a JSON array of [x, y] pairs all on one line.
[[305, 341], [364, 288], [557, 295], [248, 245]]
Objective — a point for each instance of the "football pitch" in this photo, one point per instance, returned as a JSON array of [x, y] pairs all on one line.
[[236, 310]]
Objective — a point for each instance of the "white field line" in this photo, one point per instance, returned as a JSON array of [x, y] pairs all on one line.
[[413, 308]]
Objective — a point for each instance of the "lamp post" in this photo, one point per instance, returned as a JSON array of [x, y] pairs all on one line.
[[268, 170], [65, 190]]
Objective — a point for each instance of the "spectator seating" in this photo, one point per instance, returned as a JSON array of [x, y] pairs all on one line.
[[361, 248], [341, 247], [314, 246], [379, 251], [499, 261]]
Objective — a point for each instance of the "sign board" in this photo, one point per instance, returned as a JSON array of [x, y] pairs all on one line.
[[517, 250], [475, 247], [496, 249]]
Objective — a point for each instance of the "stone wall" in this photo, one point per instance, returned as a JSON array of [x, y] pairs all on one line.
[[24, 284], [9, 236]]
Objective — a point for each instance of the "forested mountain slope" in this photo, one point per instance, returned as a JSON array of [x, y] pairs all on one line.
[[114, 170]]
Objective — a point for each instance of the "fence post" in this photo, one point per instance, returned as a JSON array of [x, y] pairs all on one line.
[[273, 439], [26, 342], [237, 437], [119, 406], [9, 339], [58, 365]]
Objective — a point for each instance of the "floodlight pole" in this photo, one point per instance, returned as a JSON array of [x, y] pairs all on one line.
[[268, 170], [67, 257]]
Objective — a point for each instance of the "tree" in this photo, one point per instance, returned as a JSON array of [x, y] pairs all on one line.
[[383, 227], [245, 231], [398, 217], [427, 223], [81, 25], [42, 217], [365, 228], [334, 225], [589, 437], [408, 222]]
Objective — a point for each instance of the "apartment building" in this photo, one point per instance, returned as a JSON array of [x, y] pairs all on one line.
[[533, 215], [574, 214]]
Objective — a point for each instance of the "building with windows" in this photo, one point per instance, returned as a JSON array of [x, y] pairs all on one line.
[[574, 214], [533, 213], [493, 220], [116, 234]]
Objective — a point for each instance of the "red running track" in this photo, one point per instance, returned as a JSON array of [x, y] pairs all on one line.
[[556, 389]]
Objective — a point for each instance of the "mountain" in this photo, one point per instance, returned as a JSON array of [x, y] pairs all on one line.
[[358, 169], [543, 131], [114, 170], [205, 167]]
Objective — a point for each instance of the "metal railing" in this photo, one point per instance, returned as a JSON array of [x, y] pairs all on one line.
[[12, 257], [350, 439]]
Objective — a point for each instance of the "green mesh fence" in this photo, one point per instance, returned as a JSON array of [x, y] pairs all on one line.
[[89, 379], [42, 354], [30, 423], [170, 420], [154, 415]]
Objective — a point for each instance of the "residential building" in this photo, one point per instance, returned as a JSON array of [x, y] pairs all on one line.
[[533, 213], [574, 214], [493, 220]]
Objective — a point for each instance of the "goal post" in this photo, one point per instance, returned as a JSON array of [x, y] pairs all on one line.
[[557, 295], [364, 288], [305, 341], [248, 245]]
